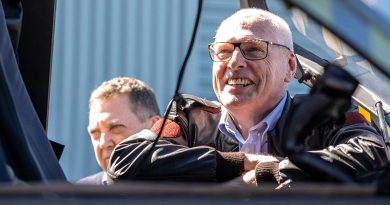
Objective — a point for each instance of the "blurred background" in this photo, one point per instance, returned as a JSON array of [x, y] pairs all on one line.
[[96, 40]]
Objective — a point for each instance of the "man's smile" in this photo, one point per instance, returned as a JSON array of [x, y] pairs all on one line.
[[239, 82]]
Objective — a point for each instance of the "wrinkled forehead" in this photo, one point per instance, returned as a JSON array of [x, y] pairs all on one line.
[[236, 31]]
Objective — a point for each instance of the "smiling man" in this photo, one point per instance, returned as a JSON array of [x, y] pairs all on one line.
[[118, 108], [253, 62]]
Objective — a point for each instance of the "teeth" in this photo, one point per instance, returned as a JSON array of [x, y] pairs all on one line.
[[239, 81]]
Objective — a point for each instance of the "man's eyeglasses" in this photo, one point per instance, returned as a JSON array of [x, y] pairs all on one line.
[[256, 49]]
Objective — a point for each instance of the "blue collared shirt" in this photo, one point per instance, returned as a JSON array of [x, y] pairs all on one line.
[[257, 141]]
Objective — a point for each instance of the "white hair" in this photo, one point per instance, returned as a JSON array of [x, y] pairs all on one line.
[[252, 17]]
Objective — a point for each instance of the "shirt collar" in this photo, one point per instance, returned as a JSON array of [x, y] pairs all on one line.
[[227, 127], [272, 118]]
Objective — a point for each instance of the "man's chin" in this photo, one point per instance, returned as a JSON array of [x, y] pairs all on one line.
[[231, 102], [104, 167], [238, 103], [104, 164]]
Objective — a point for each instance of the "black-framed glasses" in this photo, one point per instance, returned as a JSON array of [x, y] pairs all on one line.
[[256, 49]]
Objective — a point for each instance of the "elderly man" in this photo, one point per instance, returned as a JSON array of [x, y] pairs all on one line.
[[253, 64], [118, 108]]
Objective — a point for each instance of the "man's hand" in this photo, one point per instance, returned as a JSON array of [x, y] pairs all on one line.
[[251, 160], [254, 163], [249, 177]]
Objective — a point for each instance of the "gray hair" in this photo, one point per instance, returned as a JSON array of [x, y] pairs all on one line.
[[141, 97]]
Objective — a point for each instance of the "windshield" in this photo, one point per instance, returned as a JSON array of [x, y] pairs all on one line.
[[320, 41], [380, 6]]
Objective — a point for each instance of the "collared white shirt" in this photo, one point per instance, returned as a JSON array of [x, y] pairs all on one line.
[[257, 141]]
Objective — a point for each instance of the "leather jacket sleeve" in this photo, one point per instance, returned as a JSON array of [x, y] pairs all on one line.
[[353, 147], [356, 147], [136, 159], [352, 150]]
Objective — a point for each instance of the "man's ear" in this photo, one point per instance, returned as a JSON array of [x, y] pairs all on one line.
[[292, 67], [153, 120]]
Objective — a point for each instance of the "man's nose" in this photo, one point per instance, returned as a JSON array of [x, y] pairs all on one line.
[[237, 60], [105, 141]]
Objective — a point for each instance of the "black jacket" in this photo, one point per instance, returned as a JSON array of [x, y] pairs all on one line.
[[202, 153]]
